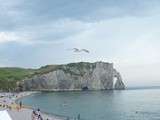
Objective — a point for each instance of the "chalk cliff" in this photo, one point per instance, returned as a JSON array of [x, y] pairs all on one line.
[[75, 76]]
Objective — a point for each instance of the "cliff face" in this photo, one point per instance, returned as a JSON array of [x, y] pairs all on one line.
[[75, 76], [119, 85]]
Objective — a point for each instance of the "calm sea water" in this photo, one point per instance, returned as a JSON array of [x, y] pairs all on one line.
[[100, 105]]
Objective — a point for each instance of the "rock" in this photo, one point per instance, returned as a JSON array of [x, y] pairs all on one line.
[[75, 76], [119, 85]]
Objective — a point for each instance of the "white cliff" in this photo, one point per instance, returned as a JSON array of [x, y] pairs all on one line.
[[75, 76]]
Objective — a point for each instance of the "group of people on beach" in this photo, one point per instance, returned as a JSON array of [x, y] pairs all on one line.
[[36, 115], [10, 105]]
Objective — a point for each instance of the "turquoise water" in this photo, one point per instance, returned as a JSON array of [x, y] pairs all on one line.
[[100, 105]]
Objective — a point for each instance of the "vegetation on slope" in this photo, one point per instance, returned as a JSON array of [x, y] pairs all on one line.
[[10, 76]]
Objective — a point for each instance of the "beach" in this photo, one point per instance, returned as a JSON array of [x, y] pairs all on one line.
[[8, 102]]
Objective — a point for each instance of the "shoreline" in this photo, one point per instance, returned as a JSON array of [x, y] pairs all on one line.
[[25, 94], [9, 102]]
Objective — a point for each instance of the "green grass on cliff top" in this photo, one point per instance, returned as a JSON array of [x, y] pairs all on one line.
[[10, 76], [14, 73]]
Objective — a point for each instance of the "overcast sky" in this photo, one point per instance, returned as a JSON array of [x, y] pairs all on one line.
[[126, 32]]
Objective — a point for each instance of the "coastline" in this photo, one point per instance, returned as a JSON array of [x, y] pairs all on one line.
[[9, 102], [25, 94]]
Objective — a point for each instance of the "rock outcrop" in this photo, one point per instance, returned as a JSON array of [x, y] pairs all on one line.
[[119, 85], [75, 76]]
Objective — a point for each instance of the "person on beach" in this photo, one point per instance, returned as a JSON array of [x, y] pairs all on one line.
[[39, 114], [33, 115], [17, 107], [79, 117], [20, 104], [40, 117]]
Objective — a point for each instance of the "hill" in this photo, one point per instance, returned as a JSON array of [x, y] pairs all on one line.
[[72, 76]]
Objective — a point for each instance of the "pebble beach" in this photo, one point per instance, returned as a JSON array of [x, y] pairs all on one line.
[[8, 102]]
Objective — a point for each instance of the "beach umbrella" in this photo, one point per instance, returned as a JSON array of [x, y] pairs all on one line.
[[4, 115]]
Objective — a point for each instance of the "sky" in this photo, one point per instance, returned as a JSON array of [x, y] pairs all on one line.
[[35, 33]]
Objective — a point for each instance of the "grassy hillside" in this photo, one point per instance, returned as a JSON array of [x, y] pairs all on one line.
[[10, 76]]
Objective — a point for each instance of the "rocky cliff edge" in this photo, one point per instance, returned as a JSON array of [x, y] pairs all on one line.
[[75, 76]]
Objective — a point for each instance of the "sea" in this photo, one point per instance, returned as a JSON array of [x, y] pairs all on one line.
[[131, 104]]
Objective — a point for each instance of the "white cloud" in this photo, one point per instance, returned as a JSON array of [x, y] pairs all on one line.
[[54, 32], [6, 37]]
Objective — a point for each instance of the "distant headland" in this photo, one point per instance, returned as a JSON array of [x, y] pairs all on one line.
[[65, 77]]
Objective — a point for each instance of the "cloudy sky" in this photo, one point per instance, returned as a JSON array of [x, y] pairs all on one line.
[[126, 32]]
